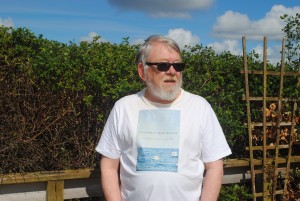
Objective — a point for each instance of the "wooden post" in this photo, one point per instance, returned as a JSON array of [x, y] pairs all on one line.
[[55, 190]]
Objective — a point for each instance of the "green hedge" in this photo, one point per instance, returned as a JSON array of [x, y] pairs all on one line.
[[55, 97]]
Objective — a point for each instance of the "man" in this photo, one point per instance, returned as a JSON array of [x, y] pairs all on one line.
[[157, 143]]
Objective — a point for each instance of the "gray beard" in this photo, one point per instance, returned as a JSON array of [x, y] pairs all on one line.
[[164, 95]]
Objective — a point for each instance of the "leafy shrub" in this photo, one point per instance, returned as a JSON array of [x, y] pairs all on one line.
[[55, 97], [235, 192]]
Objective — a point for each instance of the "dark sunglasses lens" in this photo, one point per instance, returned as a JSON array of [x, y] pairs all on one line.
[[179, 66], [166, 66], [163, 66]]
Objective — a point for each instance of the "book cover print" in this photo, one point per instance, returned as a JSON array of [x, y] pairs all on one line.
[[158, 135]]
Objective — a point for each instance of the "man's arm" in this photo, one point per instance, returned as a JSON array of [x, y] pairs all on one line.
[[212, 181], [110, 181]]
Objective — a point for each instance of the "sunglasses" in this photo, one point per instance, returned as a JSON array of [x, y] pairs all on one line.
[[165, 66]]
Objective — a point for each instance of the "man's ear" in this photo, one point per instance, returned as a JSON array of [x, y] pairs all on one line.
[[141, 71]]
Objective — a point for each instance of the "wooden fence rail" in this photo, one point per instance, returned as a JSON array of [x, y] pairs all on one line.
[[70, 184]]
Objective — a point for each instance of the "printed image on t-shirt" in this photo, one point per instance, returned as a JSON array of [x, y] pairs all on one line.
[[158, 134]]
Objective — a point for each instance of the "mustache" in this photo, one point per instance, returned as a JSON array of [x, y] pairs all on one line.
[[170, 79]]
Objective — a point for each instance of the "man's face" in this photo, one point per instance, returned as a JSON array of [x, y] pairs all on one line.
[[163, 86]]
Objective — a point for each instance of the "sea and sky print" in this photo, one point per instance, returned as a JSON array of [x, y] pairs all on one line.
[[158, 135]]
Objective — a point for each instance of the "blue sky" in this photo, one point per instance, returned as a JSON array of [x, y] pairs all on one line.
[[216, 23]]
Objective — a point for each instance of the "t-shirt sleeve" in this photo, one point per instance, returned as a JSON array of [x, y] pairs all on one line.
[[214, 144], [109, 144]]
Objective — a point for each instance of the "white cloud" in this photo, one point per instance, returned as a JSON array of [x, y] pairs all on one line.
[[273, 53], [232, 25], [90, 37], [234, 47], [183, 37], [165, 8], [6, 22], [137, 42], [226, 45]]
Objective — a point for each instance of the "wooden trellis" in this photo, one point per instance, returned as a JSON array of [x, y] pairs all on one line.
[[273, 177]]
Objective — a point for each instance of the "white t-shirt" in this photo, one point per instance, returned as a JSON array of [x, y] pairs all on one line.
[[162, 147]]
